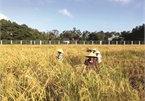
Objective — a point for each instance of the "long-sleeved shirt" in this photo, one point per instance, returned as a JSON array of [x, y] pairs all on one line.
[[99, 58], [90, 64]]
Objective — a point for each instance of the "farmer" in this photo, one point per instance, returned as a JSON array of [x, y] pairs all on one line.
[[91, 62], [88, 50], [98, 54], [91, 50], [94, 50], [60, 52]]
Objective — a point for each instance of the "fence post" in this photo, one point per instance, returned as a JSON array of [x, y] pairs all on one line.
[[21, 42], [108, 42], [131, 42], [84, 42], [40, 42], [58, 42], [49, 42], [31, 42], [11, 42], [92, 42], [1, 42], [100, 42], [34, 42], [116, 42], [76, 42], [139, 42], [124, 42]]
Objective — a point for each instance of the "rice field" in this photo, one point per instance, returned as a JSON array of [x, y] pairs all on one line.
[[32, 73]]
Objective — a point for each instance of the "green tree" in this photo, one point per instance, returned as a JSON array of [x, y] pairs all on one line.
[[92, 36], [85, 35], [100, 35], [125, 34]]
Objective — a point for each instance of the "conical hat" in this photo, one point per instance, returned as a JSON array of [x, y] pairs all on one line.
[[91, 55], [98, 52], [94, 49], [60, 50]]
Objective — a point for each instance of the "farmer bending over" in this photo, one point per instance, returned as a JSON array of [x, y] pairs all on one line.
[[94, 50], [98, 54], [60, 52]]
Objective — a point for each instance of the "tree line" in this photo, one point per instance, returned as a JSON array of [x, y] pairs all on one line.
[[13, 31]]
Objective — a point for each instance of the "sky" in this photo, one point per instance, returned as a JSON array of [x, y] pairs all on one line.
[[91, 15]]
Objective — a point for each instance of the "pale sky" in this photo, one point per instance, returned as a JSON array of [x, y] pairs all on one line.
[[91, 15]]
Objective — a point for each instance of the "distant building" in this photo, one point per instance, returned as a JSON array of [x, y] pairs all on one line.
[[116, 38], [66, 40], [111, 38]]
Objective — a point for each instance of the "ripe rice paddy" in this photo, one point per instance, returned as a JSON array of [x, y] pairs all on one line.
[[32, 73]]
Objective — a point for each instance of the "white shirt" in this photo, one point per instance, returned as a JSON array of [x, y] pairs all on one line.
[[60, 57], [99, 58]]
